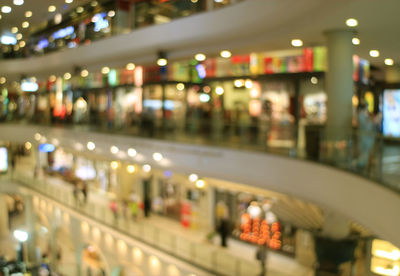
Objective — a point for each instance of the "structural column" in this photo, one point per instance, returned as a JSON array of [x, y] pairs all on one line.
[[339, 79], [4, 230], [30, 223]]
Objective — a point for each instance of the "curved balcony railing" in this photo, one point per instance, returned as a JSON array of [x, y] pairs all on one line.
[[365, 153], [105, 20]]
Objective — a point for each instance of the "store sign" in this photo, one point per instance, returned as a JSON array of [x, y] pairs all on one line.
[[29, 86], [8, 40], [3, 159], [385, 258], [64, 32], [391, 113], [46, 147]]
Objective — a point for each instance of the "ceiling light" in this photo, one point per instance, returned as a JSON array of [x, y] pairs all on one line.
[[19, 36], [105, 70], [225, 54], [16, 47], [219, 90], [28, 14], [389, 61], [157, 156], [37, 136], [131, 152], [14, 30], [130, 169], [200, 183], [194, 1], [314, 80], [238, 83], [351, 22], [111, 13], [193, 177], [22, 44], [18, 2], [94, 3], [297, 42], [67, 76], [114, 165], [25, 24], [248, 84], [146, 168], [3, 80], [355, 41], [114, 150], [52, 8], [180, 86], [80, 9], [52, 78], [374, 53], [130, 66], [218, 1], [162, 62], [84, 73], [28, 145], [5, 9], [200, 57], [69, 1], [57, 18], [91, 146]]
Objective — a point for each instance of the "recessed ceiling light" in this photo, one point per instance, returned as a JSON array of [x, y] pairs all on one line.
[[18, 2], [91, 146], [69, 1], [130, 169], [14, 30], [146, 168], [28, 14], [52, 8], [248, 84], [314, 80], [57, 18], [6, 9], [114, 149], [225, 54], [94, 3], [200, 57], [80, 9], [351, 22], [219, 90], [180, 86], [130, 66], [297, 42], [194, 1], [22, 44], [389, 61], [131, 152], [19, 36], [105, 70], [162, 62], [3, 80], [67, 76], [157, 156], [193, 177], [111, 13], [355, 41], [84, 73], [374, 53], [25, 24], [52, 78]]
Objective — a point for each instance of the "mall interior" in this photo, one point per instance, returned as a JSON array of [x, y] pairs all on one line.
[[199, 137]]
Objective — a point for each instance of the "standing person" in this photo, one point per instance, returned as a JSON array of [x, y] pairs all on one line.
[[366, 136], [261, 255], [147, 206], [12, 163], [84, 192], [223, 230], [114, 210], [134, 208]]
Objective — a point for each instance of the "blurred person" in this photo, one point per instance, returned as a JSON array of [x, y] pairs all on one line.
[[134, 209], [223, 230], [114, 210], [84, 192], [261, 255], [366, 136]]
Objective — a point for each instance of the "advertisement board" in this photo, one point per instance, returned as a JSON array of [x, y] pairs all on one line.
[[3, 160], [391, 113]]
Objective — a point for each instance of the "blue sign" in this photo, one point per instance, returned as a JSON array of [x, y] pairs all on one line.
[[64, 32], [46, 148]]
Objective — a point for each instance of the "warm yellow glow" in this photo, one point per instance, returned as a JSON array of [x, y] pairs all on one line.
[[111, 13], [154, 262], [28, 145], [3, 80], [49, 208], [122, 247], [355, 41], [105, 70], [393, 255], [248, 84], [194, 1], [52, 78], [114, 165], [200, 183], [137, 255], [354, 100], [25, 24], [28, 14], [238, 83], [22, 44], [67, 76], [162, 62], [66, 218], [14, 30], [131, 152], [219, 90], [180, 86], [80, 9], [351, 22], [146, 168], [389, 61], [387, 271], [16, 47], [157, 156], [225, 54], [114, 149], [43, 204], [96, 233], [173, 271], [374, 53], [314, 80], [18, 36], [52, 8], [94, 3], [85, 227], [90, 145], [69, 1], [297, 42], [200, 57], [109, 240], [84, 73], [130, 169], [193, 177], [37, 136], [130, 66]]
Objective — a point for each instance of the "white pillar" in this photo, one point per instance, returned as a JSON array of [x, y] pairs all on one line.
[[4, 231], [339, 79]]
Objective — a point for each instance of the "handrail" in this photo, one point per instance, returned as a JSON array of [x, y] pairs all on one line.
[[180, 247]]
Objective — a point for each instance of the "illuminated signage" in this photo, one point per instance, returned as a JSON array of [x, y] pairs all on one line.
[[46, 148], [64, 32], [28, 86], [3, 160], [8, 40]]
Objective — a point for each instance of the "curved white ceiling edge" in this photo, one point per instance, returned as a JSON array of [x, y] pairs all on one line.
[[358, 199]]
